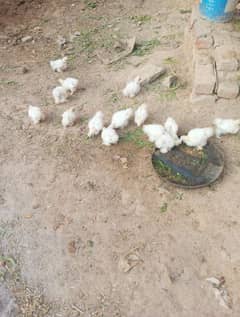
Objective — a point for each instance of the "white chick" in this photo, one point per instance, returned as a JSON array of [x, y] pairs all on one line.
[[121, 118], [132, 88], [225, 126], [60, 94], [109, 136], [95, 124], [69, 117], [197, 137], [59, 65], [165, 143], [141, 114], [172, 128], [153, 131], [70, 84], [35, 114]]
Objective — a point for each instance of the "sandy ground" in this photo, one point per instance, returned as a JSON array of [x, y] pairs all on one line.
[[80, 234]]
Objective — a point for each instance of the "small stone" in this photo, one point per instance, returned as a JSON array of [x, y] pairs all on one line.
[[149, 73], [204, 42], [116, 157], [170, 81], [77, 33], [72, 247], [24, 70], [36, 206], [204, 80], [26, 39], [228, 90]]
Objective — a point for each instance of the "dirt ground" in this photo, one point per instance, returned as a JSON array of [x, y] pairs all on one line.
[[80, 234]]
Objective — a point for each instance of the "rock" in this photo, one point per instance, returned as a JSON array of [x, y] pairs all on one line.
[[226, 59], [26, 39], [228, 90], [149, 73], [202, 99], [205, 42], [36, 206], [204, 79], [170, 81]]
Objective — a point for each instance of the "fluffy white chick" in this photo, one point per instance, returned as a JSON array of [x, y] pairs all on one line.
[[197, 137], [69, 117], [59, 65], [225, 126], [132, 88], [165, 142], [95, 124], [141, 114], [109, 136], [70, 84], [121, 118], [35, 114], [60, 94], [153, 131], [172, 128]]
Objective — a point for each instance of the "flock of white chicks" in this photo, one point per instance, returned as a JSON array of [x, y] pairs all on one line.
[[165, 137]]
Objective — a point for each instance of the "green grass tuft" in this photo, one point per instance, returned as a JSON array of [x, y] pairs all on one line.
[[145, 47], [136, 137]]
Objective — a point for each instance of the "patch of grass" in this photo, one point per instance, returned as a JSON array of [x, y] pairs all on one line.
[[185, 11], [85, 42], [145, 47], [7, 265], [170, 61], [236, 25], [114, 97], [164, 208], [165, 171], [179, 196], [137, 137], [91, 4], [168, 95], [140, 19], [8, 82]]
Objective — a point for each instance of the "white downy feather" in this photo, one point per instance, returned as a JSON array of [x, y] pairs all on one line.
[[132, 88], [69, 117], [197, 137], [141, 114], [226, 126], [70, 84], [120, 119], [59, 65], [35, 114], [60, 94], [109, 136], [153, 131], [95, 124]]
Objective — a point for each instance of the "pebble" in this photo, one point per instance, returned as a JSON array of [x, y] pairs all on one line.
[[24, 70], [26, 39]]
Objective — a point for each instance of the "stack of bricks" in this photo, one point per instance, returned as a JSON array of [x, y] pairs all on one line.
[[213, 50]]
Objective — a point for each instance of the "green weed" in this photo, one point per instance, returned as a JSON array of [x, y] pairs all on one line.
[[140, 19], [164, 208], [137, 137], [145, 47]]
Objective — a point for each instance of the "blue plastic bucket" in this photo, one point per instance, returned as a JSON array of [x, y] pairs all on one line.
[[218, 10]]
